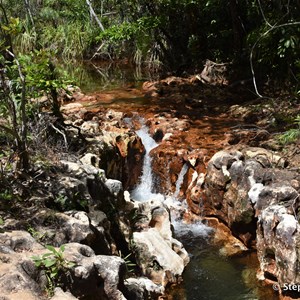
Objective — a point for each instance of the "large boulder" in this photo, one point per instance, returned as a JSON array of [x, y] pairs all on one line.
[[142, 288], [19, 278], [97, 276], [233, 182], [120, 155], [278, 242], [92, 229], [160, 257], [85, 274]]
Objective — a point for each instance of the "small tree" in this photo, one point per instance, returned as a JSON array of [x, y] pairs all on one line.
[[13, 96]]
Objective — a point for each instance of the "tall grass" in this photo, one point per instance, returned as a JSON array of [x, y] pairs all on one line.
[[71, 40]]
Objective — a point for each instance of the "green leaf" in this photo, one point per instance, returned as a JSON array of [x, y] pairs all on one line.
[[49, 262], [52, 249], [71, 264], [287, 43], [6, 28], [46, 255], [38, 263], [53, 274], [35, 258]]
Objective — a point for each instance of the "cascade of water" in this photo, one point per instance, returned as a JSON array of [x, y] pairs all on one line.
[[143, 191], [180, 178]]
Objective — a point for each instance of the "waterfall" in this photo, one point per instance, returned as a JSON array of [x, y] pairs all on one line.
[[143, 191], [180, 178]]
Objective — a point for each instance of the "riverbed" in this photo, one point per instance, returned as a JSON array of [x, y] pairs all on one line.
[[209, 275]]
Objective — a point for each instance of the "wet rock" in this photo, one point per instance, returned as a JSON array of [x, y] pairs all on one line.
[[236, 185], [157, 260], [223, 237], [120, 156]]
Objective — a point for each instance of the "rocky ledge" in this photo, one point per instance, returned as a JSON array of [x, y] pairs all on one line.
[[78, 234]]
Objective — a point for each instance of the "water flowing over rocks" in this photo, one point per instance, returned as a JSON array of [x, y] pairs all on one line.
[[233, 189], [119, 151]]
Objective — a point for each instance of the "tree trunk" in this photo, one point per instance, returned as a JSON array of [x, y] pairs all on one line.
[[22, 126], [237, 26]]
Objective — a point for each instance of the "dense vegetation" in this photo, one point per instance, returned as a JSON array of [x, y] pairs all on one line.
[[177, 34], [261, 37]]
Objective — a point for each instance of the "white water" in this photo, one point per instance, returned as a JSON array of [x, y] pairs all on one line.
[[143, 191], [180, 178]]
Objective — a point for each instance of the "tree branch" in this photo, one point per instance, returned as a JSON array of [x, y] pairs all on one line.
[[93, 14], [254, 46]]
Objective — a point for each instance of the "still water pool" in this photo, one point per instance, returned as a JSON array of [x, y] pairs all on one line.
[[211, 276]]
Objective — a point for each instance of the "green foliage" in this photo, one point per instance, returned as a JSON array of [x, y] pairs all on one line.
[[71, 201], [53, 263], [292, 135], [172, 32], [38, 236], [129, 38], [130, 266], [70, 40], [6, 195], [41, 75], [13, 27]]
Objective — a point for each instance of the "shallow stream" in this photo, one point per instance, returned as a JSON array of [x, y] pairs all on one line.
[[209, 275]]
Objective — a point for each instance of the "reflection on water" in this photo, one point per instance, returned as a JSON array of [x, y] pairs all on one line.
[[211, 276], [93, 76]]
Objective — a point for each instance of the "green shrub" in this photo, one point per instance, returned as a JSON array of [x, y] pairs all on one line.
[[292, 135], [53, 263]]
